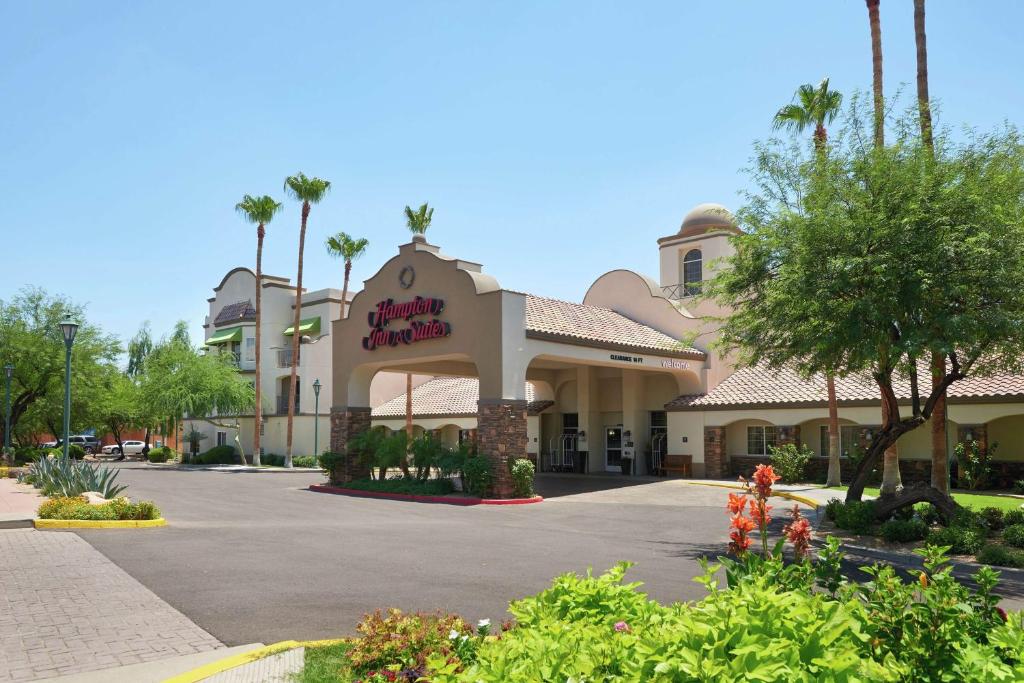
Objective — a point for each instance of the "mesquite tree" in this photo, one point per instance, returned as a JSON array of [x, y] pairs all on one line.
[[872, 260]]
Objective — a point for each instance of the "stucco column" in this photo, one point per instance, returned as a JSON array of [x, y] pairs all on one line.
[[634, 418], [501, 437], [592, 447], [346, 423], [716, 458]]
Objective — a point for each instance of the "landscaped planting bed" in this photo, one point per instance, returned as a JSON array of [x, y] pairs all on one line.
[[80, 508]]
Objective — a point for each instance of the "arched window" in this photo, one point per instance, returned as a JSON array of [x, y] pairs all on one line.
[[693, 272]]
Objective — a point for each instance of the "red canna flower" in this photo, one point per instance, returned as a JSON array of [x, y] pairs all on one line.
[[798, 532], [736, 504], [739, 542], [742, 524], [764, 477], [759, 513]]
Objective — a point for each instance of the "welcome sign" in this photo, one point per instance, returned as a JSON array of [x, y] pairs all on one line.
[[418, 330]]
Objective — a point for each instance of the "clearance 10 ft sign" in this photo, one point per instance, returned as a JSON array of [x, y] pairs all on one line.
[[418, 330]]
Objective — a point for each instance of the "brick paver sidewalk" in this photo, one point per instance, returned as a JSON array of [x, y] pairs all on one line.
[[18, 500], [65, 608]]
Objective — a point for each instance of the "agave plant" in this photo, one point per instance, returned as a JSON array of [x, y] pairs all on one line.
[[65, 477]]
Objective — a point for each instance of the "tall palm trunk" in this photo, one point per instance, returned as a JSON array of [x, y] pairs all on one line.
[[940, 457], [258, 412], [834, 469], [890, 462], [344, 289], [296, 337], [876, 70]]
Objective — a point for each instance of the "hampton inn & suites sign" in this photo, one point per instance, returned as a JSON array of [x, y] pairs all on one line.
[[418, 330]]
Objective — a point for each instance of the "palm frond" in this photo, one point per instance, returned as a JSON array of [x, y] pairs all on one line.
[[418, 221], [306, 189], [258, 210], [342, 245]]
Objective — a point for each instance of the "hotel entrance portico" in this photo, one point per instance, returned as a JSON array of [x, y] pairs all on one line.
[[553, 378]]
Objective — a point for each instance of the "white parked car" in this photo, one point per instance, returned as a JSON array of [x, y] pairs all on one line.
[[130, 448]]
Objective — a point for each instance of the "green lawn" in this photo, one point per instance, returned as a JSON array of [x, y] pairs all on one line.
[[973, 501], [327, 664]]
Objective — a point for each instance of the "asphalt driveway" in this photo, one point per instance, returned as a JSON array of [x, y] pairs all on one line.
[[255, 557]]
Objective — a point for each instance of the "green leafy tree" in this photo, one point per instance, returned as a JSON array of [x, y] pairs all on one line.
[[180, 382], [815, 107], [259, 211], [347, 248], [31, 340], [866, 262], [308, 191], [122, 407]]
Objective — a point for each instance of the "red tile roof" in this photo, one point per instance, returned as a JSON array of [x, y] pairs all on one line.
[[594, 324], [448, 396], [763, 386]]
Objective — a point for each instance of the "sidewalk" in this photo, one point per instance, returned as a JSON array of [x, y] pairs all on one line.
[[65, 608], [18, 504]]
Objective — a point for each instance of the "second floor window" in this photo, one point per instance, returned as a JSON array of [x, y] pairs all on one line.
[[693, 272], [250, 349]]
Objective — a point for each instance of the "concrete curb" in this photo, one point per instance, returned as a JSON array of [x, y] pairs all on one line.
[[414, 498], [98, 524], [810, 502], [222, 665]]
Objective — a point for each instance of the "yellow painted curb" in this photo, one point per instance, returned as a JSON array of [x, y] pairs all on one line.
[[809, 502], [221, 665], [98, 524]]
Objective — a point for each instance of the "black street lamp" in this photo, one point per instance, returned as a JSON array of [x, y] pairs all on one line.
[[8, 373], [68, 328], [316, 418]]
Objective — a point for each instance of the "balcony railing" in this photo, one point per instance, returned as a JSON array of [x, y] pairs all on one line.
[[681, 291], [284, 358], [282, 405]]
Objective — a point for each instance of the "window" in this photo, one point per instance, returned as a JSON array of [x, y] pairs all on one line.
[[465, 436], [693, 272], [222, 438], [849, 439], [250, 349], [759, 438]]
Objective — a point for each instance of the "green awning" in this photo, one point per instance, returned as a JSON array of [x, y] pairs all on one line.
[[307, 326], [232, 334]]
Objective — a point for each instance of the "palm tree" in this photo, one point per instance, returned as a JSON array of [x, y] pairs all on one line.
[[940, 464], [417, 221], [815, 107], [309, 191], [260, 211], [344, 247], [891, 481]]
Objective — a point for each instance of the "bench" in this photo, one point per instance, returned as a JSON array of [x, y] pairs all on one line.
[[677, 463]]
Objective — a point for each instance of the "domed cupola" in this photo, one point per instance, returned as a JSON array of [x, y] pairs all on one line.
[[705, 218]]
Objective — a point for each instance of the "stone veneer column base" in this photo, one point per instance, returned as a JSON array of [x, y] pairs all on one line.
[[716, 460], [501, 437], [347, 422]]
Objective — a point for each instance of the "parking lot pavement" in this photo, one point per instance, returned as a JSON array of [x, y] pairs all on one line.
[[255, 558], [65, 608]]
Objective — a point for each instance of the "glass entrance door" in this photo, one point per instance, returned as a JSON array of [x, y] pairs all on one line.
[[613, 448]]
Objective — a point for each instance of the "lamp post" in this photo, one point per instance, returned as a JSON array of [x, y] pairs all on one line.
[[8, 372], [316, 418], [69, 328]]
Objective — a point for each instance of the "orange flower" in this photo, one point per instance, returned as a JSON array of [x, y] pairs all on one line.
[[739, 543], [923, 579], [764, 477], [742, 524], [736, 504], [759, 513]]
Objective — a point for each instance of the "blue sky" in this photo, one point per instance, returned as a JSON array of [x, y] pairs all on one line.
[[556, 140]]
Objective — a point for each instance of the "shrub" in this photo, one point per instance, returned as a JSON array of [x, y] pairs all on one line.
[[961, 540], [162, 454], [1018, 486], [993, 518], [304, 461], [218, 455], [26, 454], [903, 531], [75, 451], [1013, 517], [1000, 556], [927, 513], [857, 517], [522, 477], [330, 461], [831, 506], [79, 508], [973, 463], [452, 461], [426, 454], [272, 460], [396, 641], [790, 461], [476, 475], [1014, 535], [427, 487], [60, 477]]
